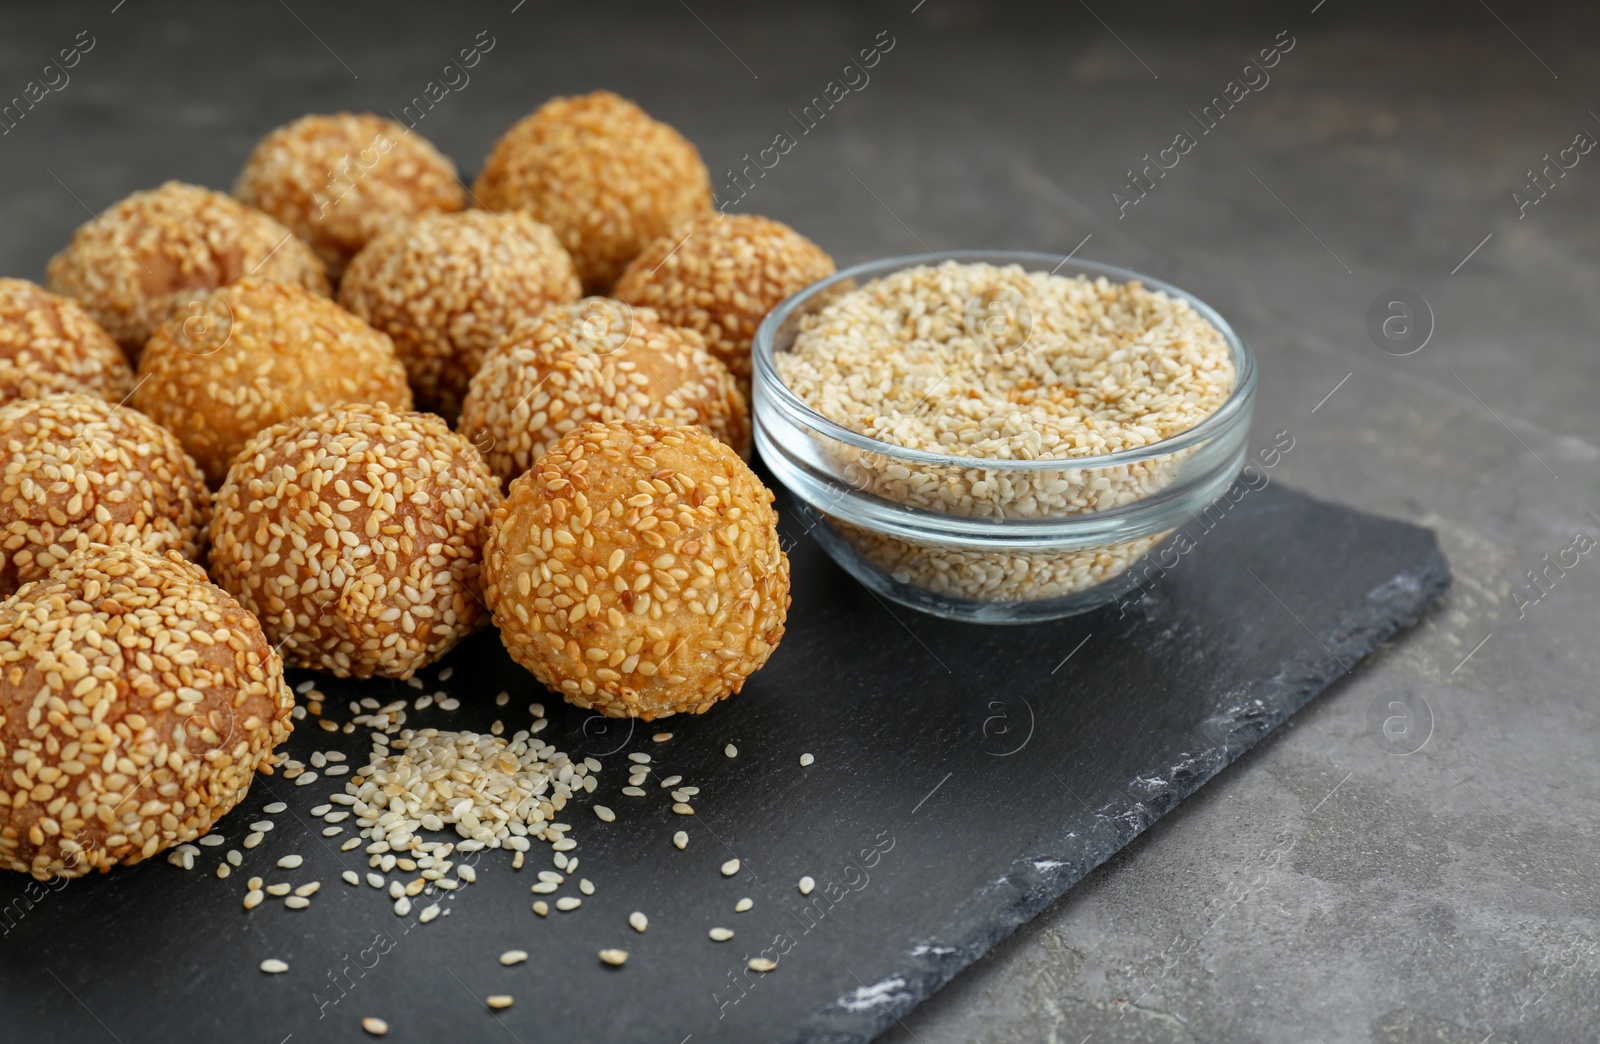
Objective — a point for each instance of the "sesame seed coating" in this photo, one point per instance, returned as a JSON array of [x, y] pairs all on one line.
[[720, 275], [135, 262], [636, 570], [355, 535], [595, 360], [449, 287], [76, 470], [49, 344], [137, 701], [257, 353], [337, 181], [602, 173]]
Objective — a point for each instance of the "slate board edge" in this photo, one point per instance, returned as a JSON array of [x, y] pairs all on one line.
[[1035, 882]]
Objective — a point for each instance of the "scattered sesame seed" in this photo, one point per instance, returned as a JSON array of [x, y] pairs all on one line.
[[297, 902], [223, 869], [273, 966], [683, 809], [541, 908], [605, 814], [212, 840], [235, 857], [252, 840], [254, 882], [350, 877], [446, 673], [498, 1001], [586, 886], [289, 862], [252, 899], [806, 760], [681, 839], [806, 885], [279, 889], [720, 934], [730, 868], [639, 759], [743, 905], [511, 957], [305, 778], [468, 874], [731, 751], [429, 914], [376, 1027], [615, 958], [638, 921], [661, 737], [568, 902], [632, 792], [375, 880], [308, 889], [671, 781], [348, 845], [761, 964]]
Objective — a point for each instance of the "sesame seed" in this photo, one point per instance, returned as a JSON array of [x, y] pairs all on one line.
[[671, 781], [297, 902], [720, 934], [641, 759], [636, 792], [429, 914], [273, 966], [252, 899], [280, 889], [605, 814], [743, 905], [615, 958], [511, 957], [638, 921], [348, 845], [761, 964], [683, 809], [308, 889], [252, 840], [568, 902], [223, 869], [305, 778], [446, 673], [730, 868], [586, 886], [289, 862], [235, 857], [541, 908], [731, 751], [681, 839], [661, 737], [468, 874], [253, 883], [499, 1001], [376, 1027], [806, 885], [806, 760], [350, 877], [212, 840]]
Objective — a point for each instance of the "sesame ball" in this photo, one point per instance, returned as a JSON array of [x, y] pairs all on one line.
[[720, 275], [49, 344], [255, 354], [76, 470], [636, 570], [337, 181], [595, 360], [602, 173], [447, 288], [141, 258], [355, 536], [137, 702]]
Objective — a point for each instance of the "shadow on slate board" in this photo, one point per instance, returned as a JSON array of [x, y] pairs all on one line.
[[965, 777]]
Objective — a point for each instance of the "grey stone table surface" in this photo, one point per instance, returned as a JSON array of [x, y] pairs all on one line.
[[1413, 857]]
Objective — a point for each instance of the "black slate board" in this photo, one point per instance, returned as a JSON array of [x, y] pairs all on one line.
[[965, 777]]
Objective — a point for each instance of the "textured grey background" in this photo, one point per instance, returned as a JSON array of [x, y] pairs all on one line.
[[1321, 888]]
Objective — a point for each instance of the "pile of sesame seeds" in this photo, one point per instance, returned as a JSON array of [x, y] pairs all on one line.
[[982, 362]]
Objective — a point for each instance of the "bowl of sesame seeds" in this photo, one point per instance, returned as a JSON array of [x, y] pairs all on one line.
[[999, 436]]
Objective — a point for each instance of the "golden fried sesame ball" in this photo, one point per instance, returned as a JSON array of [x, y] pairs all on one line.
[[636, 570], [602, 173], [356, 536], [254, 354], [141, 258], [595, 360], [136, 703], [720, 275], [337, 181], [76, 470], [48, 344], [449, 287]]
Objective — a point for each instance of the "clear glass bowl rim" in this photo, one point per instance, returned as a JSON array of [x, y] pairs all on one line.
[[1244, 362]]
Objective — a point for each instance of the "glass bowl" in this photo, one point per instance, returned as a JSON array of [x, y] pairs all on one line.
[[876, 507]]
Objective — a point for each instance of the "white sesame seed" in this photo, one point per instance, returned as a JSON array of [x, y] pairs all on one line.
[[252, 840], [586, 886], [638, 921], [375, 880], [289, 862], [350, 877], [445, 674], [429, 914], [568, 902], [632, 792], [321, 810], [305, 778], [254, 882], [731, 751], [605, 814], [670, 782], [308, 889], [730, 868], [348, 845], [297, 902], [252, 899], [468, 874], [761, 964], [223, 869], [511, 957], [806, 760], [720, 934], [806, 884], [235, 857], [376, 1027], [615, 958], [273, 966], [661, 737], [681, 839], [279, 889], [683, 809], [263, 825], [638, 758], [212, 840], [541, 908], [743, 905], [499, 1001]]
